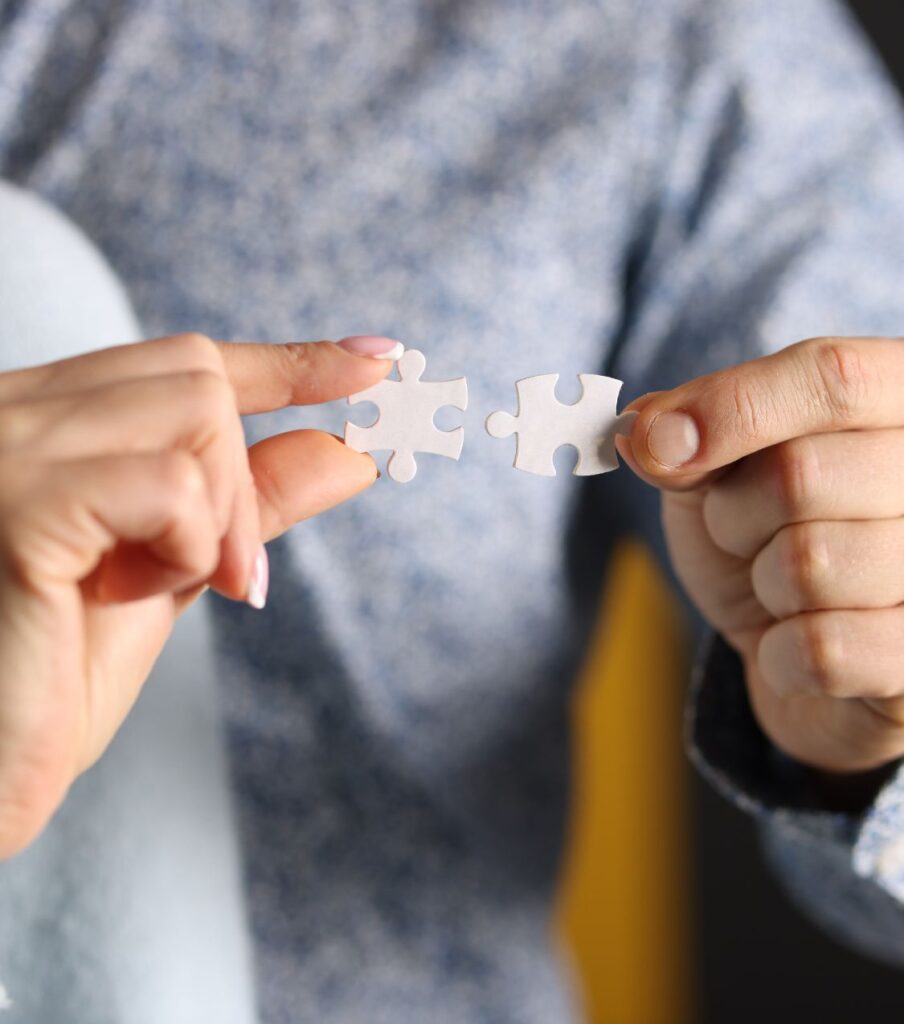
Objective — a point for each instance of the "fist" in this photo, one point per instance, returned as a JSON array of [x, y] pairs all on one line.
[[783, 507]]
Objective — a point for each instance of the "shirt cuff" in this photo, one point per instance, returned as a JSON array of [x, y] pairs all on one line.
[[732, 751]]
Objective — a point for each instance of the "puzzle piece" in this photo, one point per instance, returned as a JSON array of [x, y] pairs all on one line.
[[544, 424], [405, 424]]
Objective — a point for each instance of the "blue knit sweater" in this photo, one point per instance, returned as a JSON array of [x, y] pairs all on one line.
[[645, 188]]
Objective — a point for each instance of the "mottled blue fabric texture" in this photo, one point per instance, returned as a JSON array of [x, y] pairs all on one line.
[[647, 188]]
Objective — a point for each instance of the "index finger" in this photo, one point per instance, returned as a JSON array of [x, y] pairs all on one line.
[[264, 377], [267, 377], [682, 437]]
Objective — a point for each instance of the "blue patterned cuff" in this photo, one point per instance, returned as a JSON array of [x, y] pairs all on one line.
[[879, 849], [731, 750]]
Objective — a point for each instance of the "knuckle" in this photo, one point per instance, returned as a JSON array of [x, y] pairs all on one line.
[[189, 508], [211, 396], [845, 379], [300, 360], [183, 478], [822, 652], [798, 475], [805, 561], [299, 355], [752, 410], [200, 349]]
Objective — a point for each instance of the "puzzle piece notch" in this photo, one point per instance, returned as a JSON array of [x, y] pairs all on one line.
[[405, 424], [544, 424]]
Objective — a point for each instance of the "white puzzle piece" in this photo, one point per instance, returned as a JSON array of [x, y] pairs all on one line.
[[544, 424], [405, 424]]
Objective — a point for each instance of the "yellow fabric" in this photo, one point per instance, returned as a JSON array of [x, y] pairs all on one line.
[[624, 902]]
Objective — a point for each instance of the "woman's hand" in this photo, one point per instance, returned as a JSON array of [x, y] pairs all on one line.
[[783, 504], [125, 488]]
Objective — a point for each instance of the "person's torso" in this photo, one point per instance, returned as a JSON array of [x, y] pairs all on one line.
[[463, 176]]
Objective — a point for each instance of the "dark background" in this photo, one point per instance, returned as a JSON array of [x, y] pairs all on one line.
[[759, 960]]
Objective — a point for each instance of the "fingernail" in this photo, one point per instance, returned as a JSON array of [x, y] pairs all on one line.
[[260, 580], [673, 439], [373, 347]]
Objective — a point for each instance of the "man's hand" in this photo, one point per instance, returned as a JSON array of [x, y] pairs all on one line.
[[783, 504]]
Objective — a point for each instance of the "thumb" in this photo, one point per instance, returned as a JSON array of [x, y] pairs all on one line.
[[683, 438]]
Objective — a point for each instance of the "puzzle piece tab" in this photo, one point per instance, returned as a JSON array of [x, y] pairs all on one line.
[[544, 424], [405, 424]]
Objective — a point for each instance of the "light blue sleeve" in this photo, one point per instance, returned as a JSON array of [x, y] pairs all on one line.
[[130, 905]]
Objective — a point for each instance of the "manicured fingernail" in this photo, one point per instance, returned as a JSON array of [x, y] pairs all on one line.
[[673, 439], [260, 580], [373, 347]]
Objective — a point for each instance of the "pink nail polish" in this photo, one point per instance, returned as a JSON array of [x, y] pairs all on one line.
[[260, 580], [373, 347]]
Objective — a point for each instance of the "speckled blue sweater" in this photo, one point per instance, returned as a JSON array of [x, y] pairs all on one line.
[[646, 188]]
